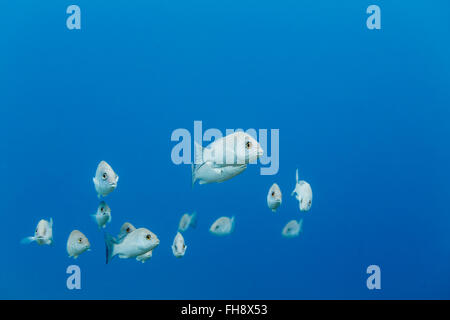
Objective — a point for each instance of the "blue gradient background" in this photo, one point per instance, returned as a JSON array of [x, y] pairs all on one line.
[[363, 114]]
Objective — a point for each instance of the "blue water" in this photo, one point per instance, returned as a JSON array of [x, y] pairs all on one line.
[[364, 115]]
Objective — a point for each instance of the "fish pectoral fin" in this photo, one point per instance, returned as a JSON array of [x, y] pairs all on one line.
[[27, 240]]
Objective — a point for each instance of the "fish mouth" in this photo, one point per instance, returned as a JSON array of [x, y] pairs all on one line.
[[260, 152]]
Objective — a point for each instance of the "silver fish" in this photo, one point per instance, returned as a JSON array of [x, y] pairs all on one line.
[[303, 193], [224, 158], [77, 243], [105, 180], [292, 229], [43, 234], [134, 244], [124, 230], [187, 220], [178, 246], [274, 197], [222, 226], [103, 215], [234, 149]]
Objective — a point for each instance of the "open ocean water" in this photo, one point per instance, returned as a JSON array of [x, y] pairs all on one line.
[[363, 114]]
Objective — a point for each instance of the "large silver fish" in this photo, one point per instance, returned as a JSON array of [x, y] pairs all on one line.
[[124, 231], [134, 244], [224, 158]]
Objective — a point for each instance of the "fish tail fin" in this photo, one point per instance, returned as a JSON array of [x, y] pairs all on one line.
[[296, 175], [110, 243], [232, 223], [198, 153], [193, 222], [27, 240], [50, 223]]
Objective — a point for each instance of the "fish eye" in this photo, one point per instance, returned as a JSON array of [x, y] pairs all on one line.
[[102, 209], [128, 230], [309, 202], [273, 193], [148, 237], [104, 176], [80, 240], [248, 144]]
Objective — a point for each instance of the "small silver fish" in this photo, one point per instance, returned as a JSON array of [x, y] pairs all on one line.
[[105, 180], [303, 193], [43, 233], [124, 230], [274, 197], [292, 229], [178, 246], [103, 215], [134, 244], [77, 243], [222, 226], [187, 220]]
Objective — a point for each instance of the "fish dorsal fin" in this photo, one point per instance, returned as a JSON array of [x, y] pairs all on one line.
[[296, 176]]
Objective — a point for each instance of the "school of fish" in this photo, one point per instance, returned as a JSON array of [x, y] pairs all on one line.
[[220, 161]]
